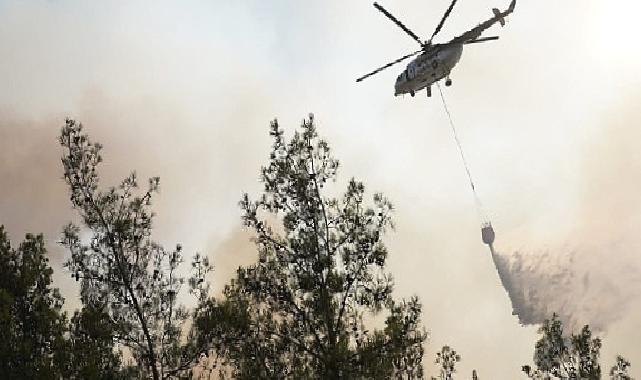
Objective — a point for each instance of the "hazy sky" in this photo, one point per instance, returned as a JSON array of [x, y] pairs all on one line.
[[548, 116]]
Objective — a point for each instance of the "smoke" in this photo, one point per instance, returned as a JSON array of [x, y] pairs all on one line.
[[594, 276], [235, 250], [186, 93], [31, 185], [565, 282], [195, 203]]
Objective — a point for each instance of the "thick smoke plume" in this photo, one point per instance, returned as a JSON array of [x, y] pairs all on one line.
[[594, 276], [565, 282]]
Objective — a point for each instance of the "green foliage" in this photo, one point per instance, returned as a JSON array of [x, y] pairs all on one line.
[[131, 280], [32, 325], [556, 356], [91, 352], [300, 311]]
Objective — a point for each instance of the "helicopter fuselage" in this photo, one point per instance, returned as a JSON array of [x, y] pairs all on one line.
[[431, 66]]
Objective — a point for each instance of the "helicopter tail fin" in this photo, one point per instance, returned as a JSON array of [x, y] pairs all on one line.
[[498, 14]]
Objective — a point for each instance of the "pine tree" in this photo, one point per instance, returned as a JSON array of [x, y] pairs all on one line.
[[447, 359], [32, 325], [619, 371], [132, 281], [90, 348], [558, 356], [302, 309]]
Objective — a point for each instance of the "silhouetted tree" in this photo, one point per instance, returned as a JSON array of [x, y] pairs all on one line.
[[129, 280], [300, 311], [556, 356], [447, 359], [32, 325], [620, 370], [90, 350]]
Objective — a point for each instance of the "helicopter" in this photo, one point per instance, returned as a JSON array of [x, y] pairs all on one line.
[[436, 61]]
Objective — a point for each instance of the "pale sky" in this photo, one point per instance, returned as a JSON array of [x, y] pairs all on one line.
[[185, 90]]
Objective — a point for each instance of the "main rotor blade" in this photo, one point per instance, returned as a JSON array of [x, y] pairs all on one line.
[[400, 24], [484, 39], [440, 24], [388, 65], [476, 32]]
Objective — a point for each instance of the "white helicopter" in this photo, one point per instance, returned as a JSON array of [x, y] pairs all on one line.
[[436, 61]]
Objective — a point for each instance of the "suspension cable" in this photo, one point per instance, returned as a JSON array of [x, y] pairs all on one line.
[[477, 200]]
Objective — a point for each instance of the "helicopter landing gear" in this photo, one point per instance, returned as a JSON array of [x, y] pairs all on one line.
[[428, 89], [448, 82], [412, 94]]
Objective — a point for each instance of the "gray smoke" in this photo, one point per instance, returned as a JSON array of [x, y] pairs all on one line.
[[589, 273], [582, 285]]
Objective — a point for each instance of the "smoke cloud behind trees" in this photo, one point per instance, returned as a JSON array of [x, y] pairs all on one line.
[[187, 94]]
